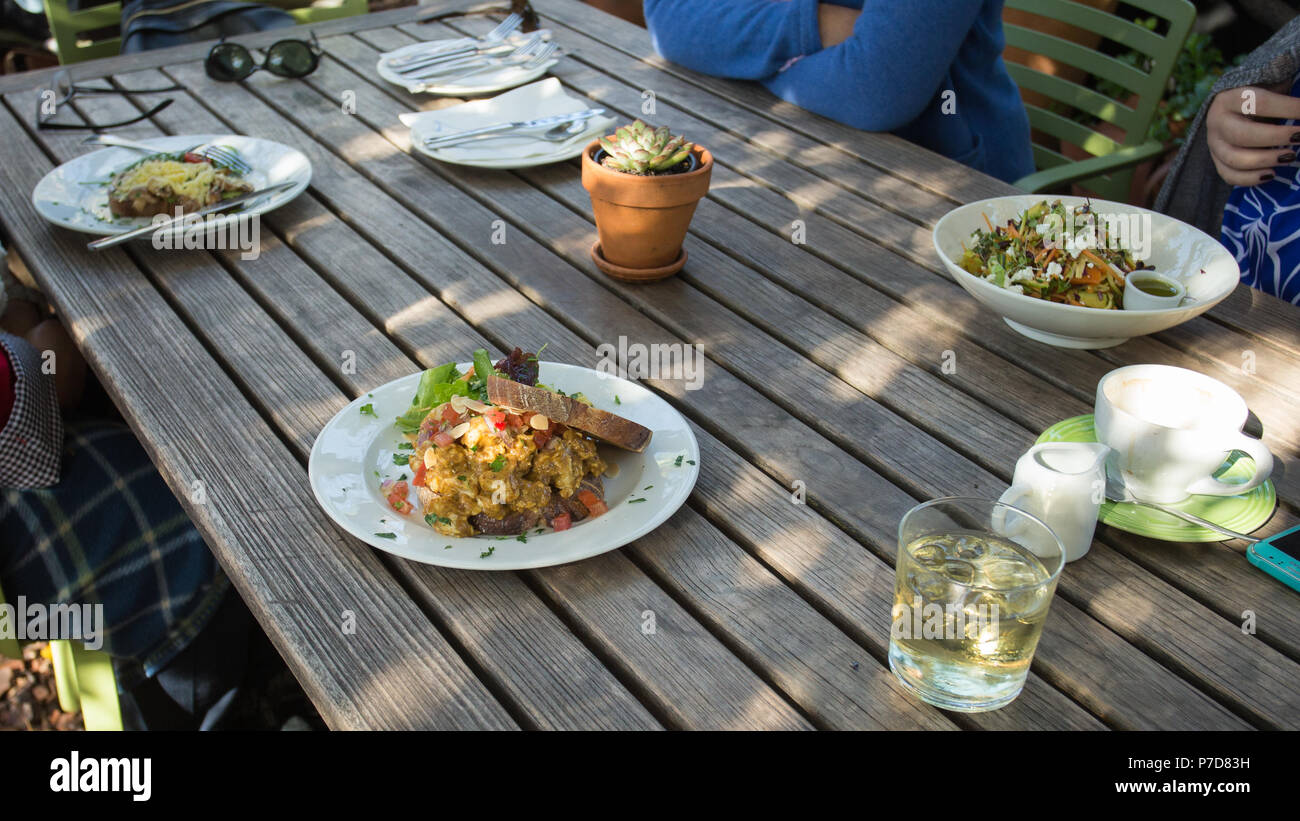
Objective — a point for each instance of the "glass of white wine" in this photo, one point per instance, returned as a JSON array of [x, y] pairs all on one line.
[[972, 587]]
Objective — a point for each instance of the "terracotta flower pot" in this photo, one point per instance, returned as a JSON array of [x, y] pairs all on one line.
[[642, 221]]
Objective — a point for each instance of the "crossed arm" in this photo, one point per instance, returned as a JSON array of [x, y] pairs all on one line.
[[872, 63]]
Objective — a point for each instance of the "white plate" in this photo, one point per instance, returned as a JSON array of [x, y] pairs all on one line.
[[353, 447], [1178, 250], [70, 196], [487, 82], [544, 98]]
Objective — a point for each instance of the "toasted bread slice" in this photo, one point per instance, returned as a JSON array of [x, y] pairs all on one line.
[[616, 430]]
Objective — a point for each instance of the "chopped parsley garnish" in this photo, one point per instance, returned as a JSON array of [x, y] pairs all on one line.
[[431, 518], [473, 447], [368, 409], [491, 549], [498, 463], [401, 459], [448, 547], [522, 537], [647, 487], [460, 478], [634, 501], [386, 535], [678, 461], [690, 461], [617, 401], [406, 446]]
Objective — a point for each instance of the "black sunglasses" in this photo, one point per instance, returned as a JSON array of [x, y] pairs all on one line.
[[232, 63], [50, 100]]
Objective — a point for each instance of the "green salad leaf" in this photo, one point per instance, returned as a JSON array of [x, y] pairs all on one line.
[[437, 385]]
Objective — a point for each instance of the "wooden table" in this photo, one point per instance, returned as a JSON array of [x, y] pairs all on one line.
[[825, 372]]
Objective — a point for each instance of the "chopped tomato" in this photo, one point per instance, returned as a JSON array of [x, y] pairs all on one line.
[[442, 439], [592, 502], [190, 156], [397, 497], [450, 416], [514, 420], [497, 417], [418, 481], [562, 522]]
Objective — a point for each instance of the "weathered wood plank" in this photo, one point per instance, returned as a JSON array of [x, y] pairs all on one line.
[[939, 297], [675, 704], [299, 576], [591, 317], [1251, 312]]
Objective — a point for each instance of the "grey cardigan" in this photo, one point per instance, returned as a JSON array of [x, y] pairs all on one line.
[[1193, 192]]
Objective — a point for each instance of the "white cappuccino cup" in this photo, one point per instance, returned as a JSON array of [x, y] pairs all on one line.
[[1169, 429]]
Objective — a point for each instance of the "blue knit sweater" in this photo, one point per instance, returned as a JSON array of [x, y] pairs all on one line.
[[893, 74]]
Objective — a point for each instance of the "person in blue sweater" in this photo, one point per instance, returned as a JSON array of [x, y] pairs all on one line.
[[930, 71]]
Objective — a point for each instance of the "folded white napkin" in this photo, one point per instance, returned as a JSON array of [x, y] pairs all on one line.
[[543, 98], [499, 78]]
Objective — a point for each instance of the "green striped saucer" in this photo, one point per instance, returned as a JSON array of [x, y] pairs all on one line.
[[1242, 513]]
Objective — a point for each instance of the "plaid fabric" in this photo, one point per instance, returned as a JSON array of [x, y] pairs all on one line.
[[31, 441], [110, 532]]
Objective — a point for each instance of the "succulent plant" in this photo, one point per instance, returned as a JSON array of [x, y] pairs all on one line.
[[640, 149]]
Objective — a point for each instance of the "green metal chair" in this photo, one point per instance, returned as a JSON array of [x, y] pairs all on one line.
[[1108, 173], [83, 678], [84, 34]]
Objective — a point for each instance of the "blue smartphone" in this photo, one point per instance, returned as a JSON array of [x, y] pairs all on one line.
[[1279, 556]]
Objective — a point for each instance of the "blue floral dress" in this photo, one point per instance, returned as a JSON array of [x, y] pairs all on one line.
[[1261, 227]]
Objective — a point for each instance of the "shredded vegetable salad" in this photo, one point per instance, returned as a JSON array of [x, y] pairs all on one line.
[[1054, 254]]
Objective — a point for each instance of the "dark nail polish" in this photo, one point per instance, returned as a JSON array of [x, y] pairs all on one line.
[[1265, 177], [1286, 158], [1295, 138]]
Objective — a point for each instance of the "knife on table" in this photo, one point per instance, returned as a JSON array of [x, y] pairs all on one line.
[[224, 205]]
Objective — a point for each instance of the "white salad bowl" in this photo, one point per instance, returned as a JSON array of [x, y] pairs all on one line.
[[1204, 267]]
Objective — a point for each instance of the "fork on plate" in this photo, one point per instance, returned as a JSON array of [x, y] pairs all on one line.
[[529, 55], [217, 154], [439, 51]]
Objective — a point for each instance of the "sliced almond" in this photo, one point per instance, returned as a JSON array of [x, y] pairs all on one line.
[[539, 422], [475, 405], [458, 403], [428, 459], [459, 431]]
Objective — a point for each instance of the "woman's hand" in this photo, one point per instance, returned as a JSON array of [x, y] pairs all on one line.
[[1245, 151]]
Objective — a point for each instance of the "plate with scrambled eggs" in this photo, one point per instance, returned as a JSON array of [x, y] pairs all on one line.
[[535, 464], [114, 189]]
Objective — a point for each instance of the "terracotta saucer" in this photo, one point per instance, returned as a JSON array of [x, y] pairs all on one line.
[[636, 274]]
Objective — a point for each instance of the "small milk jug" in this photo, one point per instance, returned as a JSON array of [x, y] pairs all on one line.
[[1062, 483]]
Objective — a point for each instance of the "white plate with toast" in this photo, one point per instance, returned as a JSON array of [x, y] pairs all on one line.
[[75, 195], [355, 452]]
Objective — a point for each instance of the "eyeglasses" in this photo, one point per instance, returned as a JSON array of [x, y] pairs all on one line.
[[50, 100], [232, 63]]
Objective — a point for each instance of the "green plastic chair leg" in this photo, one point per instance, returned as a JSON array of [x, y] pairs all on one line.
[[97, 688], [65, 676]]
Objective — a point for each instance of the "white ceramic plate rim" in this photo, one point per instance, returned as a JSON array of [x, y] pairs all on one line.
[[249, 147], [623, 523], [457, 89], [505, 165]]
